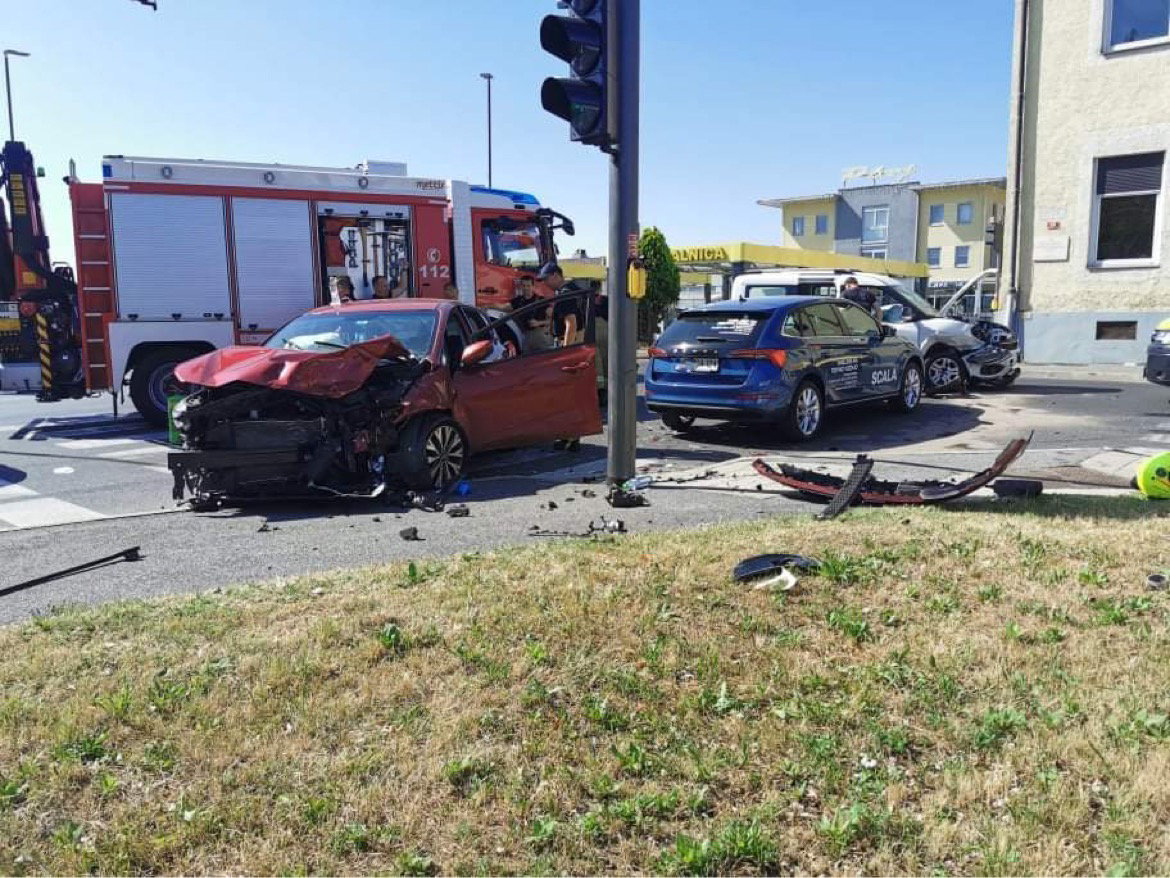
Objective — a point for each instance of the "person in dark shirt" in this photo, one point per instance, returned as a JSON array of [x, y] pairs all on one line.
[[855, 293], [534, 325], [567, 317]]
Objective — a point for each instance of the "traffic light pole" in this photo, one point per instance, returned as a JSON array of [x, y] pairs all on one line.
[[622, 21]]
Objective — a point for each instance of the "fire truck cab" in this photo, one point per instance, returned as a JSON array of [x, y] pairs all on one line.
[[176, 257]]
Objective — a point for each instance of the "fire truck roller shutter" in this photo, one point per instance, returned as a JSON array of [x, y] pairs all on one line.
[[170, 255], [274, 261]]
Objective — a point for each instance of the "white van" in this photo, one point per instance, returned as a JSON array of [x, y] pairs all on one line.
[[953, 351]]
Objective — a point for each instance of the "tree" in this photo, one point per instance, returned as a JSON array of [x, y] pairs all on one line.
[[662, 284]]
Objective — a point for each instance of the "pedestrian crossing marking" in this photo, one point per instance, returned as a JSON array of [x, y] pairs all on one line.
[[43, 511]]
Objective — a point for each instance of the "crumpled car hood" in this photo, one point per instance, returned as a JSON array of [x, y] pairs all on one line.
[[330, 374]]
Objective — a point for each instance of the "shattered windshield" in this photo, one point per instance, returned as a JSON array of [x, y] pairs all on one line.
[[330, 332]]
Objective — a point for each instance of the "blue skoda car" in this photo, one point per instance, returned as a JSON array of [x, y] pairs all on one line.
[[780, 360]]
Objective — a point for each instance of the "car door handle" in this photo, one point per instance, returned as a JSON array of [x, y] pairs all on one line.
[[577, 367], [486, 290]]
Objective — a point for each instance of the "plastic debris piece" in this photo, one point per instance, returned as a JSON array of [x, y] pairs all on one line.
[[762, 565], [1156, 581], [410, 534], [458, 510], [1017, 487]]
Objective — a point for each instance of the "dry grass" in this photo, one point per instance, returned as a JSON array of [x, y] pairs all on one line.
[[959, 692]]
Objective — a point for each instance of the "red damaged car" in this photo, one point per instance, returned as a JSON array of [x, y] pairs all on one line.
[[354, 399]]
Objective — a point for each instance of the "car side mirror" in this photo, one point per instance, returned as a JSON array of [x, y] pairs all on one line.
[[476, 353], [888, 331]]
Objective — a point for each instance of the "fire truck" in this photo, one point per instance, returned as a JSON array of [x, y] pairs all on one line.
[[177, 257], [39, 344]]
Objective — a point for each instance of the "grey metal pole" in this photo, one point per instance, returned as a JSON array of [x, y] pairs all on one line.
[[8, 89], [624, 33], [488, 78]]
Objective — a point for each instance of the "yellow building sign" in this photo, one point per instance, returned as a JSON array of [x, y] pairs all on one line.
[[700, 254]]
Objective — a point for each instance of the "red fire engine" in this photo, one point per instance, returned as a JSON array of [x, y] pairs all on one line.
[[176, 257]]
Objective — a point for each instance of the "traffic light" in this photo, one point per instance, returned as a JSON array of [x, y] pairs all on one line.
[[580, 99]]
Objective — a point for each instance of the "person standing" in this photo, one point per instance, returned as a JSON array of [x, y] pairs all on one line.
[[344, 288], [381, 287], [535, 324], [568, 314], [601, 338], [858, 295]]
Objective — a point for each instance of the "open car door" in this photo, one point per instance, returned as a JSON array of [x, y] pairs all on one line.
[[539, 396]]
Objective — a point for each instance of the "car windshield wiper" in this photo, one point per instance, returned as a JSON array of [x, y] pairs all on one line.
[[717, 338], [332, 344]]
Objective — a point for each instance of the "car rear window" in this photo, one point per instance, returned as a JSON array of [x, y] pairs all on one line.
[[704, 328], [756, 290]]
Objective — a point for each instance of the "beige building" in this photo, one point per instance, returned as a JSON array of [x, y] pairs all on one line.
[[1086, 237], [942, 225], [953, 219]]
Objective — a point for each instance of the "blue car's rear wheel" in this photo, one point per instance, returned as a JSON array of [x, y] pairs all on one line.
[[805, 413]]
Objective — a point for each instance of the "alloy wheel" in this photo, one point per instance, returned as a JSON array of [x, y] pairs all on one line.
[[808, 411], [444, 452], [912, 387], [944, 371]]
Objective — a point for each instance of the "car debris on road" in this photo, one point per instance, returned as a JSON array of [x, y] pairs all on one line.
[[875, 492]]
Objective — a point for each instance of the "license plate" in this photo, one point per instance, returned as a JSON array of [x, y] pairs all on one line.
[[703, 364]]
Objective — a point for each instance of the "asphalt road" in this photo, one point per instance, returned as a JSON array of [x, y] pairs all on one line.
[[77, 483]]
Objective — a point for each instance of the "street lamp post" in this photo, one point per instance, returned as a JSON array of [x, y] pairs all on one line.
[[487, 77], [8, 88]]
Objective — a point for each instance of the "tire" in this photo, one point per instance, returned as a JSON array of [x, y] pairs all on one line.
[[149, 383], [910, 390], [677, 422], [944, 370], [806, 412], [432, 453]]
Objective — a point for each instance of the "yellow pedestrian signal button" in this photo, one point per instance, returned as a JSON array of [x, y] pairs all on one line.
[[636, 280]]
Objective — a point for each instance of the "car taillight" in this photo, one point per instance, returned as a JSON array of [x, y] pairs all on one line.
[[656, 352], [779, 358]]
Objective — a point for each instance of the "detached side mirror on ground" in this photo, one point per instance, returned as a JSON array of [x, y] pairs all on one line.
[[476, 353]]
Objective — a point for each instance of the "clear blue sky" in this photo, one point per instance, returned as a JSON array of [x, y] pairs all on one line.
[[741, 99]]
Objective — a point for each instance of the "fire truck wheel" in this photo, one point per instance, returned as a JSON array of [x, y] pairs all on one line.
[[149, 384]]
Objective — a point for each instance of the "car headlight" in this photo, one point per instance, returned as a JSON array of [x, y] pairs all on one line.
[[1161, 336]]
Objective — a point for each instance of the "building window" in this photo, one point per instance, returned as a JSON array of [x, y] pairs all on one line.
[[797, 226], [966, 213], [1116, 330], [822, 224], [937, 214], [933, 256], [962, 256], [875, 252], [1136, 21], [875, 224], [1125, 207]]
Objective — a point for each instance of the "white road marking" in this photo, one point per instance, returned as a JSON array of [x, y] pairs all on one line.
[[137, 452], [83, 444], [45, 511], [9, 491], [1160, 438], [62, 470]]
